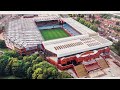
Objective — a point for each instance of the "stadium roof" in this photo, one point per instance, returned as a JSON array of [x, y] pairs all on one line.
[[73, 45], [46, 17], [79, 27], [24, 33]]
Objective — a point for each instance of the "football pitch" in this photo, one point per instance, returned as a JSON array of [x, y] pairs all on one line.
[[50, 34]]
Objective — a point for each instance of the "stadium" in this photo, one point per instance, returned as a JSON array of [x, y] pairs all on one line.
[[66, 43]]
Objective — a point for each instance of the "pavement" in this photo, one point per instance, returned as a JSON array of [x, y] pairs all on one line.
[[112, 71]]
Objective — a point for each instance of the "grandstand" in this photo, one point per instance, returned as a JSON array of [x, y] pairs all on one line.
[[69, 29], [72, 45], [79, 27], [65, 42], [22, 33]]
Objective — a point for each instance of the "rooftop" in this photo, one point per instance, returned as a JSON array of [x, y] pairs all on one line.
[[79, 27], [46, 17], [24, 33], [72, 45]]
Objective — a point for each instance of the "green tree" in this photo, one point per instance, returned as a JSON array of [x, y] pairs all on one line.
[[78, 18], [39, 59], [40, 76], [117, 47], [36, 73], [82, 20], [106, 16], [35, 55], [93, 27], [11, 53], [29, 73], [88, 24], [3, 64], [20, 57], [17, 68], [97, 22], [8, 69], [2, 44], [26, 65], [64, 74], [4, 60], [27, 59]]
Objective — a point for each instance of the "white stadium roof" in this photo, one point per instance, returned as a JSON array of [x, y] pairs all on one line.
[[72, 45], [46, 17], [79, 27], [24, 33]]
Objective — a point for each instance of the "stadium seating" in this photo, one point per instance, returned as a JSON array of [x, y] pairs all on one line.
[[70, 30], [49, 27]]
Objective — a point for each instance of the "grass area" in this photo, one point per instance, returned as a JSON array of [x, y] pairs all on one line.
[[9, 77], [50, 34]]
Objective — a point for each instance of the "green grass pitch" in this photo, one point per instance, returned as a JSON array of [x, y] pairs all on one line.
[[50, 34]]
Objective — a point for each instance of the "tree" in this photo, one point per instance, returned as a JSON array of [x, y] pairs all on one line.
[[117, 17], [29, 73], [17, 68], [20, 57], [78, 18], [106, 16], [11, 53], [3, 64], [39, 59], [70, 15], [27, 59], [26, 65], [36, 73], [34, 56], [82, 20], [117, 47], [2, 44], [48, 70], [40, 76], [31, 58], [64, 74], [34, 62], [4, 60], [93, 27], [8, 69], [97, 22], [50, 73], [88, 24]]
